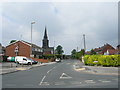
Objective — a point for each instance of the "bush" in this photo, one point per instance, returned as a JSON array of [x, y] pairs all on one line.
[[103, 60]]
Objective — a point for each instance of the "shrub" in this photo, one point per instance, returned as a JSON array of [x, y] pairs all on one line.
[[103, 60]]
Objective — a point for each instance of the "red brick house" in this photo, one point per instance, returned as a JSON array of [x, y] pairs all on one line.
[[107, 49], [23, 48], [111, 52], [103, 49], [118, 48]]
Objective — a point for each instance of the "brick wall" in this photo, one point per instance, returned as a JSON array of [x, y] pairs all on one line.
[[24, 49]]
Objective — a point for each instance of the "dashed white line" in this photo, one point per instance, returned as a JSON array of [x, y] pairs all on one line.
[[104, 81], [42, 80], [89, 81], [51, 69], [75, 82], [46, 83]]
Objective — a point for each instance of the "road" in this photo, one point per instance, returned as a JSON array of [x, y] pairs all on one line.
[[58, 75]]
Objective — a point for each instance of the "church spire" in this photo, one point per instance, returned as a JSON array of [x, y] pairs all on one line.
[[45, 39], [45, 34]]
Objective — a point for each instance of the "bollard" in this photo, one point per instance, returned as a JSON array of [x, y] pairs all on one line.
[[16, 64], [11, 65], [22, 64]]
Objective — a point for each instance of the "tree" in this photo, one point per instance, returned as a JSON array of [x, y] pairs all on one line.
[[82, 52], [59, 50], [73, 53], [12, 41], [92, 52], [77, 55]]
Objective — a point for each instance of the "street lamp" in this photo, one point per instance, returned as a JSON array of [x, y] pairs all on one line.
[[31, 36]]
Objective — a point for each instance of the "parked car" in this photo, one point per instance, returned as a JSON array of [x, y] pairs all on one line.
[[57, 60], [33, 62], [23, 60]]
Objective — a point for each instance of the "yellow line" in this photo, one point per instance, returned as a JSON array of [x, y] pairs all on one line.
[[79, 69], [21, 69]]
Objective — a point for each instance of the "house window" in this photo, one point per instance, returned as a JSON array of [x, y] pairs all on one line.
[[35, 49], [39, 50]]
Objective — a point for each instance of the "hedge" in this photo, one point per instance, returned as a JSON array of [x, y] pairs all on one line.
[[102, 60]]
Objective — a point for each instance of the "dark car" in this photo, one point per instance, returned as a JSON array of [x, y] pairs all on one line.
[[33, 62]]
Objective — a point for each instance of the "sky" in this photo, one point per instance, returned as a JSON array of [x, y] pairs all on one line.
[[66, 22]]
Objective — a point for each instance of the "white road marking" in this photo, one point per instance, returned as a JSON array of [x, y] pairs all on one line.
[[45, 83], [75, 82], [54, 67], [64, 76], [51, 69], [89, 81], [104, 81], [42, 80]]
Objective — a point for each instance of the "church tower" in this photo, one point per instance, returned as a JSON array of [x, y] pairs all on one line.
[[45, 44]]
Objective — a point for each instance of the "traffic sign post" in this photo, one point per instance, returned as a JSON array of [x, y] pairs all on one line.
[[16, 53]]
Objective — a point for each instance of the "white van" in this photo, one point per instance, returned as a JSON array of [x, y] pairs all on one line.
[[23, 60]]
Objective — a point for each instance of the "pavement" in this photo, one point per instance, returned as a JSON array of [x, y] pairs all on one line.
[[10, 67], [97, 69], [102, 70]]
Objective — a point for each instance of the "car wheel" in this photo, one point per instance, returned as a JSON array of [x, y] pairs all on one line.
[[29, 63], [17, 62]]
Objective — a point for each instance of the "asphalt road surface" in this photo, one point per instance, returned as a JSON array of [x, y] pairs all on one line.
[[58, 75]]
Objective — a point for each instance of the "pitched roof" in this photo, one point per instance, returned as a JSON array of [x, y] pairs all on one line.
[[17, 41], [104, 48], [33, 45]]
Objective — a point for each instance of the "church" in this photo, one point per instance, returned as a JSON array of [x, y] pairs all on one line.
[[45, 45]]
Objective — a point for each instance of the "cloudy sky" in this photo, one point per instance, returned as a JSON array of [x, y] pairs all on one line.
[[66, 23]]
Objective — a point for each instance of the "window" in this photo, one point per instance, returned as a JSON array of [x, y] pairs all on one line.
[[25, 59], [35, 49]]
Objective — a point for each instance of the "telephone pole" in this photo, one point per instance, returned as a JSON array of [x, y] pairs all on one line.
[[77, 49], [84, 42], [54, 49]]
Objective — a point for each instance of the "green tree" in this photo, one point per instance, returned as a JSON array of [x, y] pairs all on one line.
[[59, 50], [92, 52], [73, 53], [82, 52], [12, 41]]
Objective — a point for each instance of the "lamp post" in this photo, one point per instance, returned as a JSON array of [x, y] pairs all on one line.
[[31, 37], [84, 42]]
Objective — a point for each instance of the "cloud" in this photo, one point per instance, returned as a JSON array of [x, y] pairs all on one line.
[[66, 23]]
